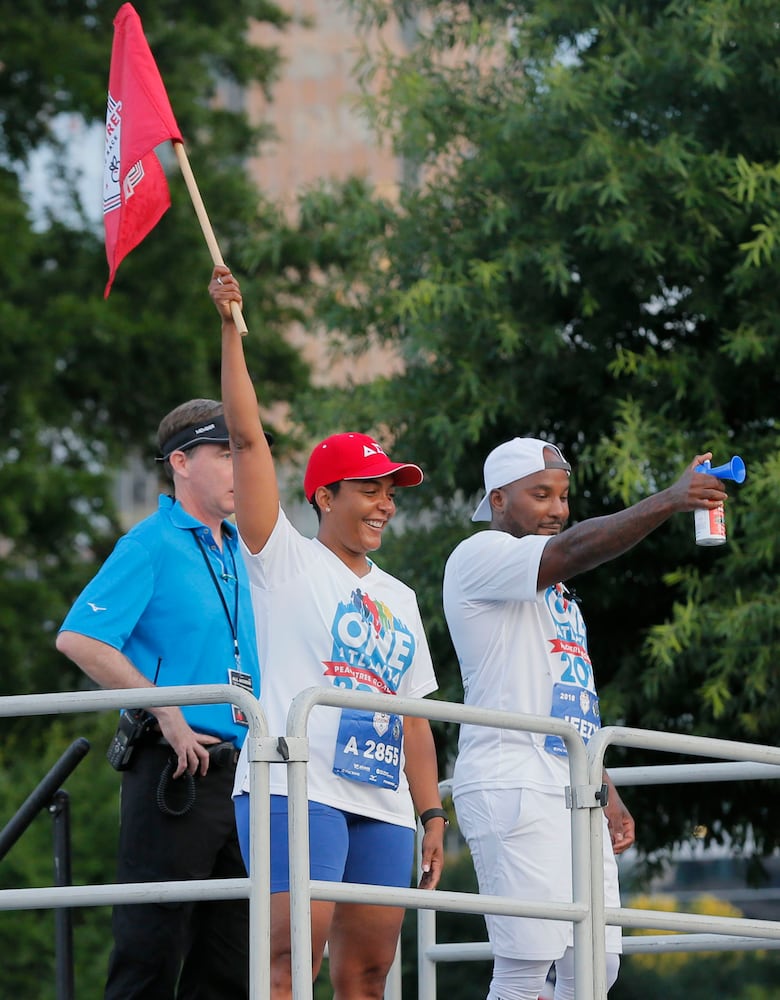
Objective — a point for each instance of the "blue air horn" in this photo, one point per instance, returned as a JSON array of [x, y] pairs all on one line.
[[711, 524]]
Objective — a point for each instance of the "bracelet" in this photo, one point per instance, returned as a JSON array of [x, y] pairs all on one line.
[[434, 814]]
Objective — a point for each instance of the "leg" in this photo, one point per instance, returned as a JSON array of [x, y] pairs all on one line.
[[363, 938], [520, 844], [517, 978], [362, 946], [281, 952], [216, 964], [328, 850], [138, 974], [564, 974], [150, 938]]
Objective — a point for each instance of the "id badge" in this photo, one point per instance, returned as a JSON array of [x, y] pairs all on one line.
[[578, 706], [368, 748], [244, 681]]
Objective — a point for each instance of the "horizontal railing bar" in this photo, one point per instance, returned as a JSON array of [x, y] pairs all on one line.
[[673, 774], [63, 702], [123, 892], [453, 902], [657, 920], [634, 944], [679, 743]]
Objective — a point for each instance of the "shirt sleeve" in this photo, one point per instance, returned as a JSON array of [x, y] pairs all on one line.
[[496, 566], [282, 557], [112, 602]]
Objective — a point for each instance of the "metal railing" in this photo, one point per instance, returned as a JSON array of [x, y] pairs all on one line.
[[762, 762], [302, 890], [55, 800], [431, 952], [586, 912], [257, 888]]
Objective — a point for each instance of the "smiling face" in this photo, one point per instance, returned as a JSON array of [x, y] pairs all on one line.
[[354, 517], [535, 505]]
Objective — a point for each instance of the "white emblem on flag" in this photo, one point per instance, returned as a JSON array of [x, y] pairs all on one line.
[[134, 177], [112, 195]]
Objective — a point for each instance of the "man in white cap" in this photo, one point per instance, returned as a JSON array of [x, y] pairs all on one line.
[[522, 647]]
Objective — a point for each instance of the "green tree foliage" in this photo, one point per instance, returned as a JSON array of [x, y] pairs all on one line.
[[586, 250], [82, 380], [27, 938]]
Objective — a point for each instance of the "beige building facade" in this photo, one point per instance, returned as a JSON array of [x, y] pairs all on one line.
[[321, 133]]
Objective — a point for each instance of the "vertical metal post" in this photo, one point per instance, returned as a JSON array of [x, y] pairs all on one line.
[[393, 983], [59, 808], [426, 931], [581, 870], [597, 905], [259, 862], [300, 880]]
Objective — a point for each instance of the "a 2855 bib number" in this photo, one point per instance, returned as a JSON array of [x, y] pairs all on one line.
[[368, 748]]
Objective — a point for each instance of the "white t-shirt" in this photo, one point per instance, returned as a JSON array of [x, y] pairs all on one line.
[[319, 624], [520, 650]]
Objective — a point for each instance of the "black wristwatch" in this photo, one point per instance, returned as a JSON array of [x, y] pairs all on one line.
[[433, 814]]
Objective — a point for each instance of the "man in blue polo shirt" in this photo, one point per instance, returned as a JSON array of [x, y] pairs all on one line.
[[171, 606]]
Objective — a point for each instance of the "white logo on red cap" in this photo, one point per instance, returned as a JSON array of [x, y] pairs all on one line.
[[376, 450]]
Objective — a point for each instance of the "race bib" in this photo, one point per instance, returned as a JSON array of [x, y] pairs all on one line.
[[244, 681], [368, 748], [578, 706]]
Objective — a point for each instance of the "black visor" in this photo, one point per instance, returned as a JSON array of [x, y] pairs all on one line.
[[211, 431]]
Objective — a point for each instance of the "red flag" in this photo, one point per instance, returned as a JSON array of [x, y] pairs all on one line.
[[138, 118]]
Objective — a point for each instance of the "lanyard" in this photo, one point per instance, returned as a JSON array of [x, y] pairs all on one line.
[[232, 622]]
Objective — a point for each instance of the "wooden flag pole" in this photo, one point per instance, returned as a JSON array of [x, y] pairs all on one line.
[[205, 225]]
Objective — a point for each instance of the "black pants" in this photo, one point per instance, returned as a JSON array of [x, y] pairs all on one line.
[[183, 950]]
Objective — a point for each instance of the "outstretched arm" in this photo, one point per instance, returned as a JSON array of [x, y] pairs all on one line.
[[599, 539], [256, 492]]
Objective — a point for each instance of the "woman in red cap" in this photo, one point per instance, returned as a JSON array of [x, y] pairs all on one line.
[[327, 615]]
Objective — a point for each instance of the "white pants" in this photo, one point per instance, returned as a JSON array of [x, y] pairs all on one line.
[[520, 841], [521, 979]]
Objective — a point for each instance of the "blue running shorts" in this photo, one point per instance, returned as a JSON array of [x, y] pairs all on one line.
[[343, 847]]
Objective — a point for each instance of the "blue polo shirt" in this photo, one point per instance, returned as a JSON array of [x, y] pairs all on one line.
[[171, 601]]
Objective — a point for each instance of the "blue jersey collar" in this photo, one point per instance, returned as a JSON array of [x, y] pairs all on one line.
[[181, 519]]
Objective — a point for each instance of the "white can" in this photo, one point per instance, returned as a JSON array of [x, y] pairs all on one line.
[[710, 526]]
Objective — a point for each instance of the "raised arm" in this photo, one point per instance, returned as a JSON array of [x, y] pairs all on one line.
[[256, 491], [599, 539]]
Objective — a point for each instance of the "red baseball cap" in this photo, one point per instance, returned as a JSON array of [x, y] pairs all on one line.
[[354, 456]]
